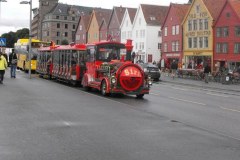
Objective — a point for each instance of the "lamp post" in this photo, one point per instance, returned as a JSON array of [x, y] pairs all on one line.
[[30, 37], [0, 7]]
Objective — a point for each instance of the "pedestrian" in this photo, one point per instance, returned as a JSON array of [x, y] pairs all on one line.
[[174, 67], [206, 72], [13, 63], [3, 67]]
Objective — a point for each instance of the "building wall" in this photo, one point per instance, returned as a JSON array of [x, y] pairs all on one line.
[[172, 20], [139, 43], [228, 18], [103, 32], [93, 30], [126, 28], [151, 40], [113, 30], [81, 33], [193, 54]]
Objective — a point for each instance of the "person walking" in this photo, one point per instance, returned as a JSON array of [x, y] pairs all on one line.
[[206, 72], [3, 66], [174, 67], [13, 62]]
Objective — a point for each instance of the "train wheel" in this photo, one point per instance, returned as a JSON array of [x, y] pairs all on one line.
[[140, 95], [104, 89]]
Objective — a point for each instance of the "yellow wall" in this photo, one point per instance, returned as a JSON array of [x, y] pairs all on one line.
[[93, 31], [193, 15]]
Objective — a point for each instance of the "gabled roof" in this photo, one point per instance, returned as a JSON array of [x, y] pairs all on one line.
[[63, 9], [236, 6], [214, 7], [180, 10], [119, 12], [153, 14], [132, 12], [102, 14]]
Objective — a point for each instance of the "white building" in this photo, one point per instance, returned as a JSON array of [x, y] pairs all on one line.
[[146, 32]]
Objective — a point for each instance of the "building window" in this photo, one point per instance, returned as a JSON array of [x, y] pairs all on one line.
[[195, 42], [237, 48], [159, 46], [173, 30], [66, 34], [189, 25], [165, 31], [225, 48], [218, 48], [65, 17], [177, 45], [80, 27], [206, 24], [177, 29], [165, 47], [66, 26], [73, 18], [74, 26], [58, 34], [136, 34], [195, 25], [57, 17], [173, 46], [58, 25], [83, 36], [159, 33], [136, 45], [219, 32], [237, 31], [189, 42], [77, 37], [140, 21], [206, 42], [200, 42], [225, 31], [200, 24], [58, 42]]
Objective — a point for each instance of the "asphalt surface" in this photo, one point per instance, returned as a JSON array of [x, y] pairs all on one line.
[[46, 120]]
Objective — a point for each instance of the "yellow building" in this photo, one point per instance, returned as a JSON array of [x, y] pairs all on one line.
[[198, 32]]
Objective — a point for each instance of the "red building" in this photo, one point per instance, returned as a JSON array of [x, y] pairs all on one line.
[[172, 47], [227, 36]]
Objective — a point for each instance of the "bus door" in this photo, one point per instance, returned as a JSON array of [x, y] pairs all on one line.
[[68, 64], [90, 64], [81, 64]]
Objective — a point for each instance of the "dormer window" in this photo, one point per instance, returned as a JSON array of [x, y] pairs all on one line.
[[60, 10], [152, 18]]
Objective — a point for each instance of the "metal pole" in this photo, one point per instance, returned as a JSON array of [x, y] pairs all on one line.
[[30, 41]]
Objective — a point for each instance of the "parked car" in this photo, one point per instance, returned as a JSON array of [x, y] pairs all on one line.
[[151, 70]]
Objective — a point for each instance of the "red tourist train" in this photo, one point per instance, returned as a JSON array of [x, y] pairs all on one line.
[[101, 65]]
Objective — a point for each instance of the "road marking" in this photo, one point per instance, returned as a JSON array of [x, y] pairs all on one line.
[[230, 109], [179, 88], [184, 100], [155, 94], [220, 95]]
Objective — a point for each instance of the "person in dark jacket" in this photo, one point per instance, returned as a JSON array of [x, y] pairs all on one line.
[[206, 72], [174, 67], [13, 63]]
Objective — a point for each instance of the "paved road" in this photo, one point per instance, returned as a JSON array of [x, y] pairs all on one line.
[[41, 119]]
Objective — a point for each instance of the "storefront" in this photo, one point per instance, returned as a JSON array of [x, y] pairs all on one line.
[[197, 60]]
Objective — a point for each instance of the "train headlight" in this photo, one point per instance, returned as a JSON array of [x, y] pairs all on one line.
[[113, 80]]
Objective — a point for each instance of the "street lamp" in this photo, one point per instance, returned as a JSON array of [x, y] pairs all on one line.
[[0, 6], [30, 36]]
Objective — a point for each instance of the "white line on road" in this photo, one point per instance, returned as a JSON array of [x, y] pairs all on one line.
[[230, 109], [182, 89], [184, 100], [220, 95], [155, 94]]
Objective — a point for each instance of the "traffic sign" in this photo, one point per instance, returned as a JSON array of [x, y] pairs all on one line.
[[3, 42]]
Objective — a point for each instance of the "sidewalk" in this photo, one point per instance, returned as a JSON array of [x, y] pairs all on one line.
[[202, 84]]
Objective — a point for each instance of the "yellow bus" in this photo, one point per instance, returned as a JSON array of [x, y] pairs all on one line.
[[22, 49]]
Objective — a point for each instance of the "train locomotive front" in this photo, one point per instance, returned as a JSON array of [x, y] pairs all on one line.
[[115, 75]]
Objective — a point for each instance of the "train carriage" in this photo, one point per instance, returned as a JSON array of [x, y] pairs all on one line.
[[107, 72], [63, 62]]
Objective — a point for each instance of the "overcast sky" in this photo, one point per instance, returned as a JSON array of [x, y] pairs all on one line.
[[14, 16]]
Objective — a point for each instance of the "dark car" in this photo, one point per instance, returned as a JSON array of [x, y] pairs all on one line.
[[151, 70]]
